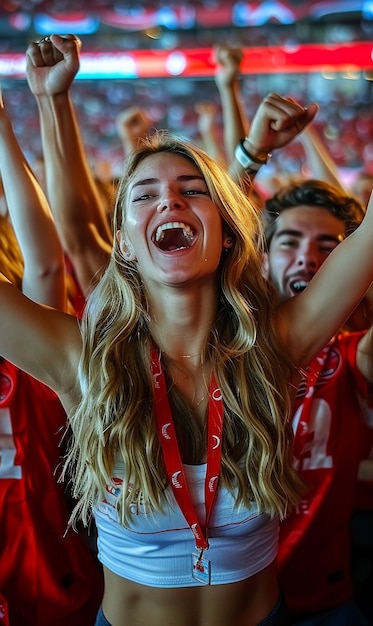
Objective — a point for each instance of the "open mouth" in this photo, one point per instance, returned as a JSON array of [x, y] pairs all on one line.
[[298, 285], [174, 236]]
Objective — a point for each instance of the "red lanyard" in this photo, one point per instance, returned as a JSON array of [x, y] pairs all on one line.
[[171, 452], [313, 374]]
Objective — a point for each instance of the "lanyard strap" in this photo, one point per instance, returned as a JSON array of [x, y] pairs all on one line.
[[171, 452], [313, 374]]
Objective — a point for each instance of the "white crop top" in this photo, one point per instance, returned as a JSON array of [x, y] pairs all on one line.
[[156, 548]]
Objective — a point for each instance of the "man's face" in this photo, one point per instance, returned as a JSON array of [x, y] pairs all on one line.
[[303, 238]]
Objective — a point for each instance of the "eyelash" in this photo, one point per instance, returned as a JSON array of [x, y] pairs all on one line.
[[292, 244], [146, 196]]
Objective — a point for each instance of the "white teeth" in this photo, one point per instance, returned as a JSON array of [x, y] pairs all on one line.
[[161, 229], [299, 285]]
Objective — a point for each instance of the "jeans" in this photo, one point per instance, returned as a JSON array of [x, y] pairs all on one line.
[[345, 615], [101, 619]]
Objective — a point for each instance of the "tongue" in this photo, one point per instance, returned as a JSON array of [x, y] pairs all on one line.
[[174, 239]]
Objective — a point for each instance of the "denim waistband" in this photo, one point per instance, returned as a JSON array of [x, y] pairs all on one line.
[[101, 619]]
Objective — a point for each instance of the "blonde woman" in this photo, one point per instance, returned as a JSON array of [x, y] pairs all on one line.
[[178, 383]]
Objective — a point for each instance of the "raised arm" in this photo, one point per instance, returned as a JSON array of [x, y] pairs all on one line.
[[364, 356], [44, 270], [208, 130], [319, 159], [277, 121], [42, 341], [132, 124], [227, 80], [309, 320], [51, 66], [363, 314]]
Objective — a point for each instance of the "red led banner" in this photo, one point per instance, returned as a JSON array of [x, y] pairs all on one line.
[[199, 62]]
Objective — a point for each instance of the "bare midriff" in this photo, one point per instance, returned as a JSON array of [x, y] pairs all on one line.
[[243, 603]]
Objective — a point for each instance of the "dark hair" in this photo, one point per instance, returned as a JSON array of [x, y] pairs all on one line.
[[314, 193]]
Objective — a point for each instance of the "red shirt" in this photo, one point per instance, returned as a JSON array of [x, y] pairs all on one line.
[[47, 577], [314, 554]]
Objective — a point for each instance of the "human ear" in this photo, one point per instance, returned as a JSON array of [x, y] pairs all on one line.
[[125, 247], [265, 266]]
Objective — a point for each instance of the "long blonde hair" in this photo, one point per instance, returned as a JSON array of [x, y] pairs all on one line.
[[11, 259], [115, 416]]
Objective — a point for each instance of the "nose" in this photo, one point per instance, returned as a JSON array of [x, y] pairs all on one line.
[[170, 200], [308, 257]]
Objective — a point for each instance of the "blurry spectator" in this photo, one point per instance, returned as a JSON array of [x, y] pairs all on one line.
[[48, 574]]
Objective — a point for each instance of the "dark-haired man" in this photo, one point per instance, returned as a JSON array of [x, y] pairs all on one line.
[[304, 222]]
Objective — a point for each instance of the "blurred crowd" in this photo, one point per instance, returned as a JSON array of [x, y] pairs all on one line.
[[344, 124]]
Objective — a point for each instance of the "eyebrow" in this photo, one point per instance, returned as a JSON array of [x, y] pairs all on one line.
[[288, 232], [182, 178]]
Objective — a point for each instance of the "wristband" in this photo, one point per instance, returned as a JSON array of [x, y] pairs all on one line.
[[246, 160]]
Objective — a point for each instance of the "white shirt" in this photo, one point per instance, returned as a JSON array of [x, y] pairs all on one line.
[[156, 548]]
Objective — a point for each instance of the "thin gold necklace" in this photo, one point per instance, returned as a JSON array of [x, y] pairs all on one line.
[[195, 406], [183, 356]]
